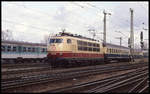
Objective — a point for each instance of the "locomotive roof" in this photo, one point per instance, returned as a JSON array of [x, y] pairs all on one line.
[[75, 35], [23, 43]]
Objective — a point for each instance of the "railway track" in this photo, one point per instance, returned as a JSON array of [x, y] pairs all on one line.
[[35, 79], [23, 65], [25, 70], [109, 84], [18, 73]]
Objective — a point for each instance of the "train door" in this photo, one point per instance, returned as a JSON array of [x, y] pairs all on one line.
[[19, 57]]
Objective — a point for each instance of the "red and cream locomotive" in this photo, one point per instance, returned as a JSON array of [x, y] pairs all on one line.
[[66, 49]]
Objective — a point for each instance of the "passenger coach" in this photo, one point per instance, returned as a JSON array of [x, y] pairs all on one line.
[[13, 50], [116, 53]]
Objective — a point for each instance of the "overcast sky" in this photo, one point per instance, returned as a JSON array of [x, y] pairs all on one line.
[[31, 21]]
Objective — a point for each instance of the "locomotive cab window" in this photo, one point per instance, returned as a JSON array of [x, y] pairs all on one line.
[[68, 41], [56, 41]]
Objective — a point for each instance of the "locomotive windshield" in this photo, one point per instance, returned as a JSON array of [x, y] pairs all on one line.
[[55, 40]]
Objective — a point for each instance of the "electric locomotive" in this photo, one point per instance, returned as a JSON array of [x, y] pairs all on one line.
[[66, 49]]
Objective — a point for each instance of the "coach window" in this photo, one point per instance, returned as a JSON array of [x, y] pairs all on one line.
[[3, 48], [45, 49], [33, 49], [14, 49], [24, 49], [8, 48], [36, 49], [29, 49], [68, 40], [41, 49]]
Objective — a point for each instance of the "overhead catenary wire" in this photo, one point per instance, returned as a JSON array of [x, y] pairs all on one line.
[[75, 16], [24, 24], [35, 26]]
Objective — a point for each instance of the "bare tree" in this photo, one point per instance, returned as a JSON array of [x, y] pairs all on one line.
[[136, 46], [46, 38], [7, 35], [145, 45]]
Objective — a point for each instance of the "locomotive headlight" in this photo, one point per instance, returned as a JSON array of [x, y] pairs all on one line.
[[60, 53]]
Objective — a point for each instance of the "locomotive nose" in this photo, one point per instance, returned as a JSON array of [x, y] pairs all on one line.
[[52, 55], [52, 47]]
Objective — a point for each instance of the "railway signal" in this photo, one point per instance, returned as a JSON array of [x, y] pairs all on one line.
[[142, 43]]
